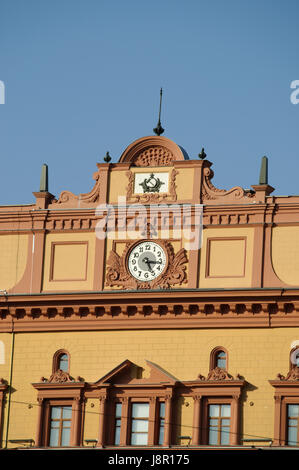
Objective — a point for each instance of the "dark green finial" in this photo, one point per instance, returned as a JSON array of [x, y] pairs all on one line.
[[264, 171], [202, 154], [159, 129], [107, 158], [43, 187]]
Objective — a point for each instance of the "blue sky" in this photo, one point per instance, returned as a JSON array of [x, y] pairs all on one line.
[[83, 77]]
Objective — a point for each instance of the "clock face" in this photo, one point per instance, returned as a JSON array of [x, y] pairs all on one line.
[[146, 261]]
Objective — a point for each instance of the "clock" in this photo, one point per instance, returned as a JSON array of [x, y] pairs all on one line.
[[146, 261]]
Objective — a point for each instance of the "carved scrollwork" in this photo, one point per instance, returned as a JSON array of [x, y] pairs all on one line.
[[293, 375], [117, 273], [218, 374], [210, 192], [60, 376], [67, 197]]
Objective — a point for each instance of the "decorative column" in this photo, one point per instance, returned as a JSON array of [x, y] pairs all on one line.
[[277, 421], [168, 415], [196, 420], [235, 423], [152, 421], [76, 409], [39, 429], [124, 421], [102, 400]]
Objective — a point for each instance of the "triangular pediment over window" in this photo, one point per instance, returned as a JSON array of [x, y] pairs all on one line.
[[129, 373]]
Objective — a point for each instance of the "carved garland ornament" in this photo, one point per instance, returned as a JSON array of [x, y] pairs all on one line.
[[118, 275]]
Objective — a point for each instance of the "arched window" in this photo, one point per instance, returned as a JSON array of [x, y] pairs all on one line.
[[61, 361], [219, 358]]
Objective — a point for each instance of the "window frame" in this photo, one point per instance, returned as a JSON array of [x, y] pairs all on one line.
[[216, 401], [48, 407], [154, 420], [213, 357], [3, 390], [56, 360], [286, 392], [132, 418]]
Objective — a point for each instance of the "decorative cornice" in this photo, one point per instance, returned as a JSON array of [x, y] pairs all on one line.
[[150, 309]]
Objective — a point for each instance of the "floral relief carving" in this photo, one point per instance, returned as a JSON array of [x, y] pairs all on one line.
[[154, 156], [117, 273]]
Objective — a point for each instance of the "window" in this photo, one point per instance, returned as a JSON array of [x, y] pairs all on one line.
[[117, 426], [292, 425], [221, 359], [3, 390], [61, 406], [286, 398], [60, 426], [219, 424], [218, 358], [61, 361], [216, 409], [139, 423], [161, 423]]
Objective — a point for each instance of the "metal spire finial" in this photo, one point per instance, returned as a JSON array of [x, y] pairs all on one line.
[[202, 154], [159, 129], [107, 158]]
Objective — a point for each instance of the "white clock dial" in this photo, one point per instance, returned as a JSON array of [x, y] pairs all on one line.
[[146, 261]]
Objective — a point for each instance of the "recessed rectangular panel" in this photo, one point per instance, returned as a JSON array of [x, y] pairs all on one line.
[[69, 261], [226, 257]]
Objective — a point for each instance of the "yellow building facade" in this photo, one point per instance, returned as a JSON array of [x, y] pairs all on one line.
[[155, 310]]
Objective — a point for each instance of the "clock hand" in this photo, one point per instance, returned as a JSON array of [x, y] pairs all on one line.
[[147, 261]]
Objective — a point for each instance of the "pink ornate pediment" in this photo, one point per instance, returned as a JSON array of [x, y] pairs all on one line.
[[128, 373], [152, 151]]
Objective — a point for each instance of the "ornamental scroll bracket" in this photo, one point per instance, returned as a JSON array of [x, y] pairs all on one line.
[[68, 199], [211, 194]]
